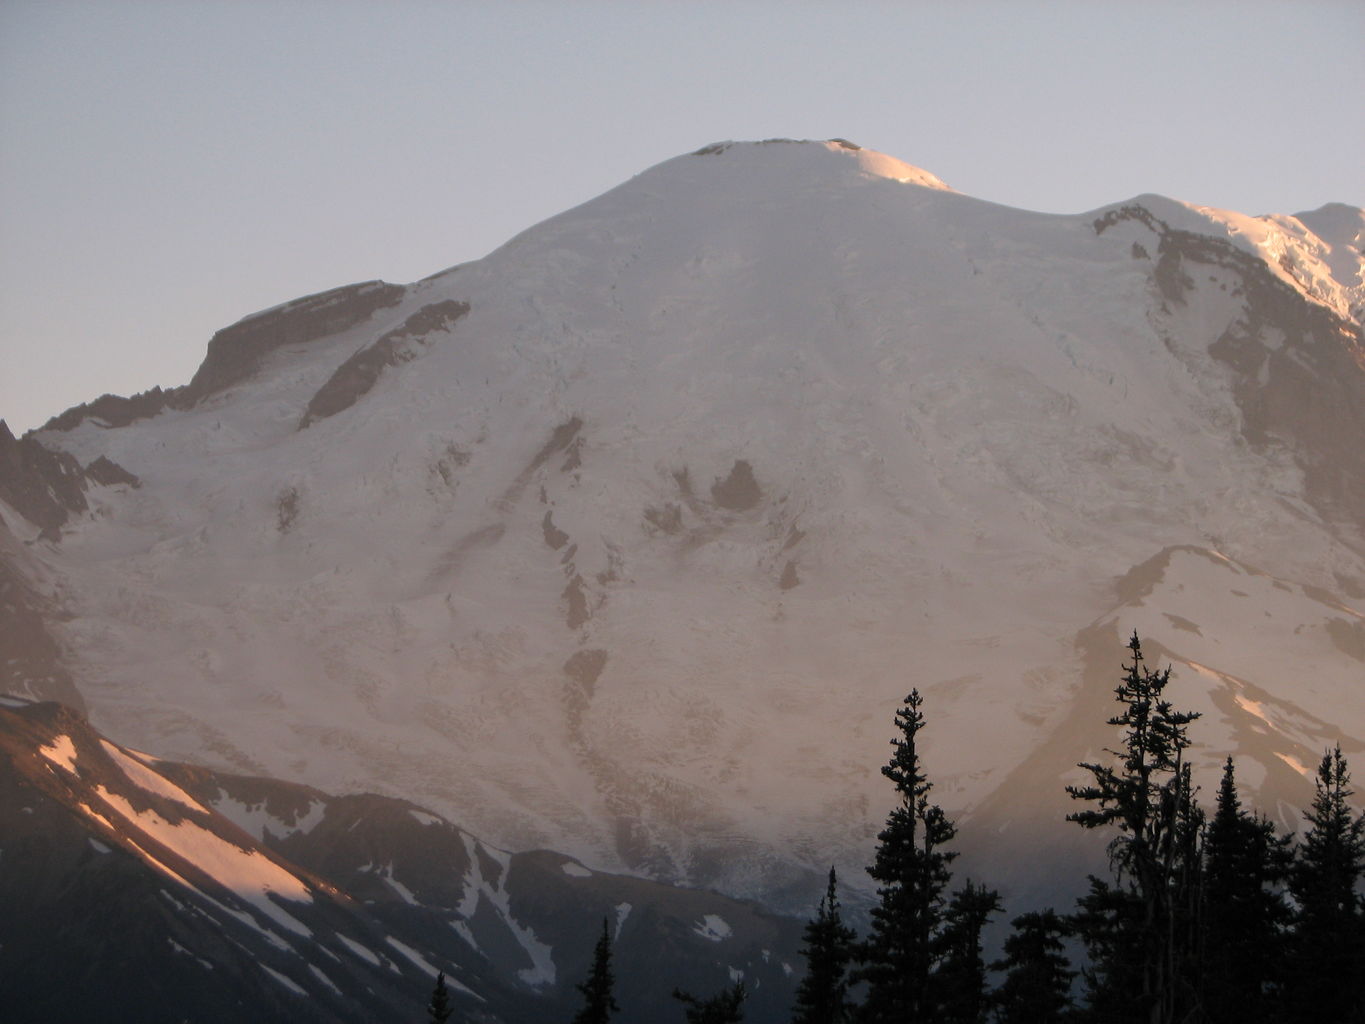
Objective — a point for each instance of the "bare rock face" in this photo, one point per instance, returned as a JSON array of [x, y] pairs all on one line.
[[739, 490], [42, 485], [45, 486], [358, 374], [235, 352], [1298, 369], [115, 410], [105, 471]]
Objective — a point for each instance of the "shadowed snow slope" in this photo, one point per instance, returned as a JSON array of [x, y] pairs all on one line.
[[628, 539]]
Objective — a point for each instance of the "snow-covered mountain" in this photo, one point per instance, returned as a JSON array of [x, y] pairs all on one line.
[[628, 539]]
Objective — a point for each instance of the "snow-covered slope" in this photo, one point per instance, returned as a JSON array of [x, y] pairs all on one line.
[[628, 539]]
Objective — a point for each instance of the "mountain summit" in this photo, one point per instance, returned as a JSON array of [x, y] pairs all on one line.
[[628, 539]]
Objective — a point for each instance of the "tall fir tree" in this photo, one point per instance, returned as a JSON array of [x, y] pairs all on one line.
[[912, 869], [438, 1007], [960, 978], [598, 1001], [1327, 959], [822, 997], [1148, 798], [1037, 985], [1245, 913]]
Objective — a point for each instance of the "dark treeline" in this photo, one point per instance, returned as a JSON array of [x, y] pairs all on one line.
[[1202, 920]]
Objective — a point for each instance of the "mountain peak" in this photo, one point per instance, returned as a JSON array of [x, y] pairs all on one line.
[[866, 163]]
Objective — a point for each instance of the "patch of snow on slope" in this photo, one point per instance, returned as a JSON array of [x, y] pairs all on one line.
[[622, 912], [411, 954], [713, 928], [255, 819], [324, 979], [144, 778], [248, 873], [1253, 707], [542, 969], [359, 950], [207, 965], [575, 870], [462, 930], [298, 990], [403, 891], [62, 753], [423, 818], [1294, 763]]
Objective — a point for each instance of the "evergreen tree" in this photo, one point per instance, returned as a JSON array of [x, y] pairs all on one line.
[[897, 959], [822, 997], [598, 1002], [726, 1007], [1328, 946], [1245, 914], [439, 1009], [960, 979], [1037, 985], [1109, 920], [1149, 800]]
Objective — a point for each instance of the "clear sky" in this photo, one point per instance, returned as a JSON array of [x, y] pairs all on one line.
[[168, 167]]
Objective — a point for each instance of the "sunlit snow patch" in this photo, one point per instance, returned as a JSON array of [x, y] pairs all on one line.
[[62, 753], [249, 874], [144, 778], [1293, 762], [1252, 707]]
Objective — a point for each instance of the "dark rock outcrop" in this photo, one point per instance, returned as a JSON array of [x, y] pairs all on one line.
[[739, 490], [236, 352], [42, 485], [117, 411], [358, 374]]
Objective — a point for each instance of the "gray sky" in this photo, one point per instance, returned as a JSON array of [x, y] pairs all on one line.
[[168, 167]]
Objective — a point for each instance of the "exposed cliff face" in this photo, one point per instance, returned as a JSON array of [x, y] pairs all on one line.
[[237, 352], [47, 486], [1297, 366], [42, 485]]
